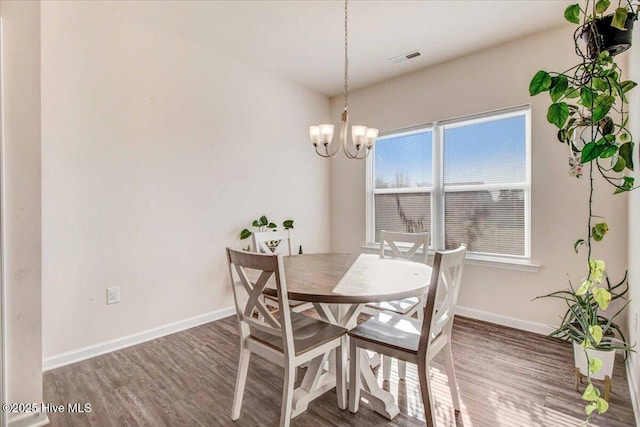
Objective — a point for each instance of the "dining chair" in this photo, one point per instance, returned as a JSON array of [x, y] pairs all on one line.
[[278, 242], [288, 340], [412, 340], [407, 306]]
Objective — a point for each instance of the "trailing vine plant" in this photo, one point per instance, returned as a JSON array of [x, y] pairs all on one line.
[[588, 106]]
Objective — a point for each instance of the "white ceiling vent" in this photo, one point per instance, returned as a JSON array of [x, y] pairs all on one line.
[[405, 57]]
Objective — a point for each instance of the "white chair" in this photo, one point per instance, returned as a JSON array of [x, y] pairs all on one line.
[[277, 242], [289, 340], [272, 242], [408, 306], [412, 340]]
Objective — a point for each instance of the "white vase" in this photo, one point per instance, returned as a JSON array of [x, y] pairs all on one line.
[[607, 357]]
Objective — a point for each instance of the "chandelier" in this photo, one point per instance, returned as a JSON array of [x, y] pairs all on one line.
[[362, 137]]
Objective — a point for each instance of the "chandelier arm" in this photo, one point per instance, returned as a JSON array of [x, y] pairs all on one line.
[[357, 155], [327, 153]]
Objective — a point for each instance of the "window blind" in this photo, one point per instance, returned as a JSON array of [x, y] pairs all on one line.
[[486, 160], [404, 212]]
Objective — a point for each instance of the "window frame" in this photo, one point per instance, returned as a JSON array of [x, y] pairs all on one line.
[[438, 189]]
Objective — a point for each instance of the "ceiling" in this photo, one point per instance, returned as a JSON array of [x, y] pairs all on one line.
[[302, 41]]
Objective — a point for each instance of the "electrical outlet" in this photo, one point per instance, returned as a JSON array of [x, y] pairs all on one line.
[[113, 295]]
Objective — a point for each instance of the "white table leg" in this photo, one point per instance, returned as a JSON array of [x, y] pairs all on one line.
[[346, 316]]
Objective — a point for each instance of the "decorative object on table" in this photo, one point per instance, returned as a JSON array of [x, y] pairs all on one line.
[[588, 106], [273, 338], [362, 137], [277, 242], [412, 340], [263, 224]]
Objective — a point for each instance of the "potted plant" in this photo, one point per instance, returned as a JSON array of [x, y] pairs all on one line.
[[590, 326], [588, 106], [600, 31], [263, 224]]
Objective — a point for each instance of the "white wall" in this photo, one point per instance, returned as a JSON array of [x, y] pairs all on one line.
[[22, 209], [485, 81], [156, 153], [634, 230]]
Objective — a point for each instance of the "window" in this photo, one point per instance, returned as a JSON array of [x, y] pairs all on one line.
[[464, 180]]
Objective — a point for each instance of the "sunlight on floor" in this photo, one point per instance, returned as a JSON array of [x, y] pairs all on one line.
[[506, 410]]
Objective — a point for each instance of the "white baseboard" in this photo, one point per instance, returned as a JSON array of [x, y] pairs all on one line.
[[137, 338], [511, 322], [634, 390], [30, 419]]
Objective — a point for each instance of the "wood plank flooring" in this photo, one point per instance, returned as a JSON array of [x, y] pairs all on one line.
[[507, 378]]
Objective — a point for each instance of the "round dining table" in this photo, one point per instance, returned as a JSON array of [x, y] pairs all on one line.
[[339, 286]]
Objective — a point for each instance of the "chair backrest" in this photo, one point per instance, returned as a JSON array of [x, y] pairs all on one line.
[[247, 294], [392, 238], [444, 287], [272, 242]]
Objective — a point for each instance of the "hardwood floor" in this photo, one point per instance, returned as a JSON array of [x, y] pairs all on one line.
[[507, 378]]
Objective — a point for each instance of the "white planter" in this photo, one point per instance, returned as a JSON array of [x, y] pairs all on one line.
[[607, 357]]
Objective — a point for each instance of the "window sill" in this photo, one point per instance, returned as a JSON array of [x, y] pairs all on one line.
[[506, 263]]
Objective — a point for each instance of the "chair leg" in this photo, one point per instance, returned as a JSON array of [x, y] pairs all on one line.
[[425, 390], [386, 368], [241, 380], [287, 396], [341, 383], [354, 376], [402, 369], [451, 376]]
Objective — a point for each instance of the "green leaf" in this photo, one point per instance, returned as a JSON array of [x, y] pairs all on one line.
[[627, 85], [599, 230], [624, 137], [584, 287], [602, 297], [626, 152], [572, 14], [590, 408], [600, 84], [609, 151], [596, 333], [541, 82], [577, 244], [558, 114], [256, 223], [264, 220], [586, 96], [602, 5], [271, 225], [596, 269], [619, 18], [244, 234], [558, 89], [591, 393], [288, 224], [620, 165], [591, 151], [572, 92], [601, 107], [595, 364], [603, 405], [626, 185]]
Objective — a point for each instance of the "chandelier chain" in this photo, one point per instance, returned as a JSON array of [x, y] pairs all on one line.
[[346, 55]]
